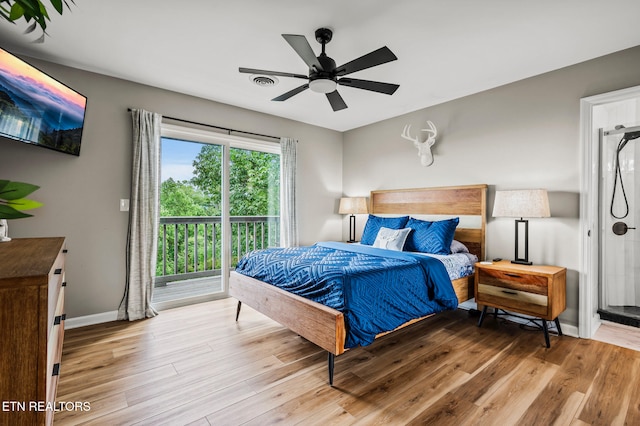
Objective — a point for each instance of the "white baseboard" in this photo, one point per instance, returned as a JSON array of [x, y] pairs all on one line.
[[76, 322]]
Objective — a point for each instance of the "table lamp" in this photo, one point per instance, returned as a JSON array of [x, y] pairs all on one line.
[[522, 203], [353, 206]]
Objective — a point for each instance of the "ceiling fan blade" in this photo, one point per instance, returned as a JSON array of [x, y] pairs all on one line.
[[374, 86], [278, 73], [377, 57], [291, 93], [303, 49], [336, 101]]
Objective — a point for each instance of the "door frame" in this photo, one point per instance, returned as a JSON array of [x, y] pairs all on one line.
[[588, 317]]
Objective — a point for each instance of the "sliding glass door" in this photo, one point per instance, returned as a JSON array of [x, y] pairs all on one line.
[[219, 200]]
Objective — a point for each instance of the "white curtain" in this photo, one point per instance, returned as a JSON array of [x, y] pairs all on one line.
[[143, 217], [288, 211]]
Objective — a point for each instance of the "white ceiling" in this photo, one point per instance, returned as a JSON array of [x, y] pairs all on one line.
[[445, 49]]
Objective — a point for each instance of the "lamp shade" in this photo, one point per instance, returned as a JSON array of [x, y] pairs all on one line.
[[353, 205], [521, 203]]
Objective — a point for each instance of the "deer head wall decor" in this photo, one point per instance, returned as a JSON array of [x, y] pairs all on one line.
[[424, 148]]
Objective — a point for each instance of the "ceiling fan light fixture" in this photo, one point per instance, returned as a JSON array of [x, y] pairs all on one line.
[[323, 85]]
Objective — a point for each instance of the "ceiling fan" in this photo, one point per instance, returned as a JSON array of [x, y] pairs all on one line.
[[324, 74]]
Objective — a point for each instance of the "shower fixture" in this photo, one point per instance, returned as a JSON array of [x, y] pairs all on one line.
[[620, 228], [628, 135]]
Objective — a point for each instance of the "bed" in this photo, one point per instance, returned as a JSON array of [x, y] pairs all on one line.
[[325, 326]]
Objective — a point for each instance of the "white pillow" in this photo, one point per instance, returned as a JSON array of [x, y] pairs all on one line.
[[458, 247], [391, 239]]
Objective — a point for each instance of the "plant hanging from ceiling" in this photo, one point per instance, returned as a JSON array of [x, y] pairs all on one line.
[[31, 10]]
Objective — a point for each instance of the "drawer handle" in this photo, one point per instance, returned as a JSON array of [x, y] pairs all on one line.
[[56, 369], [58, 271], [509, 292], [512, 275]]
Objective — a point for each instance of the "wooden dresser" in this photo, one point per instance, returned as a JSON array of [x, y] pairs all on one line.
[[32, 316]]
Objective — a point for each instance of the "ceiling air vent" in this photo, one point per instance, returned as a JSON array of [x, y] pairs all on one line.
[[264, 80]]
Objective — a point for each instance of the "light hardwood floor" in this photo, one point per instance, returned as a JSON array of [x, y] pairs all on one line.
[[196, 365], [619, 334]]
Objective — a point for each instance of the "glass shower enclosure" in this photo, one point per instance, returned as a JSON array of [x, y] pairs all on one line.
[[619, 220]]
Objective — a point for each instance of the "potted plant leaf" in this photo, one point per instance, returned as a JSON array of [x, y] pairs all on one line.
[[31, 10], [13, 202]]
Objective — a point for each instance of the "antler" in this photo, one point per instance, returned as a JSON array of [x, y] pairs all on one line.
[[434, 132], [406, 134], [424, 148]]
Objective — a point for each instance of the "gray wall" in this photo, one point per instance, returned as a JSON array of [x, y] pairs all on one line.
[[521, 135], [81, 194]]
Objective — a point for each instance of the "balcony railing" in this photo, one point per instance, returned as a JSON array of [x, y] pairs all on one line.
[[191, 247]]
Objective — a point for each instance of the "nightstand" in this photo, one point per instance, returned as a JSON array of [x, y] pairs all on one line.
[[535, 290]]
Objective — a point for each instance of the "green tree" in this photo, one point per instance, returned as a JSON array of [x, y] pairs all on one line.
[[254, 180], [254, 191], [182, 199]]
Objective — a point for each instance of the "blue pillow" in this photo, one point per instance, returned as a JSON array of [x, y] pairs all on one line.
[[374, 223], [418, 230], [431, 237]]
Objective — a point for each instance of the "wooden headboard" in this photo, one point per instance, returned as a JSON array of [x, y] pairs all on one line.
[[468, 200]]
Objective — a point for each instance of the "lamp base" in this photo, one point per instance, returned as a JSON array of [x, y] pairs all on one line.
[[352, 229], [519, 259]]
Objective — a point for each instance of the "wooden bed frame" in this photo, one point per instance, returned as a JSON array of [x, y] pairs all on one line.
[[325, 326]]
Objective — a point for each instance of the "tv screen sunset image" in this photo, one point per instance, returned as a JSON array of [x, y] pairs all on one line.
[[38, 109]]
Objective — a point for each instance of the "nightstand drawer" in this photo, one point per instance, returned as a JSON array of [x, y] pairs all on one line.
[[513, 280], [531, 303]]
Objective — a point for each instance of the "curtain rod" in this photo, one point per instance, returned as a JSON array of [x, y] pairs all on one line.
[[217, 127]]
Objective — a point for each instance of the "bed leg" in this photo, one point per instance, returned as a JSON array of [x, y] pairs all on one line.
[[238, 310], [331, 360]]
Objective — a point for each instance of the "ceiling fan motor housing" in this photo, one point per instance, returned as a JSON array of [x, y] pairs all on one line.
[[323, 81]]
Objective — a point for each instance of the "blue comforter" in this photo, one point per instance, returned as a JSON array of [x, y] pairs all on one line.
[[376, 289]]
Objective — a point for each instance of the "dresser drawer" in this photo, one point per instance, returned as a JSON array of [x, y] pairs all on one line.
[[54, 348], [514, 280], [505, 297], [56, 280]]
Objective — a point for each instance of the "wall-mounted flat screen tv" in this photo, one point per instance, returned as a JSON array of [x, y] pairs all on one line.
[[37, 109]]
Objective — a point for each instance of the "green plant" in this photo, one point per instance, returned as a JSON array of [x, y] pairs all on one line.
[[31, 10], [12, 200]]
